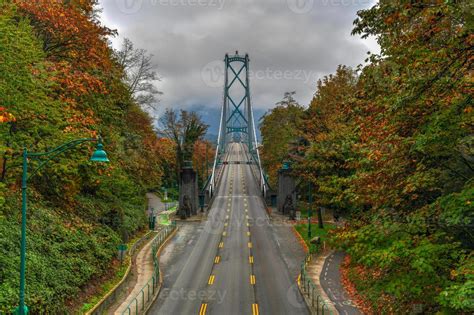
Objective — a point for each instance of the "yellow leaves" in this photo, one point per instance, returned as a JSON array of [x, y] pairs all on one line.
[[5, 116]]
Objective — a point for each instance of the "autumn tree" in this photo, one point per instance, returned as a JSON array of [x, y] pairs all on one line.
[[278, 128], [184, 129], [60, 81]]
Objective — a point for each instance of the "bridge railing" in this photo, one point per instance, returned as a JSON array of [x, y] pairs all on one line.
[[314, 300], [143, 299]]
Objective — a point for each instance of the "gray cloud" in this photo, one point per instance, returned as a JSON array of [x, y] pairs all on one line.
[[291, 44]]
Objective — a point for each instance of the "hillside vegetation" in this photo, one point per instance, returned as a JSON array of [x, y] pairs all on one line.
[[390, 145], [59, 80]]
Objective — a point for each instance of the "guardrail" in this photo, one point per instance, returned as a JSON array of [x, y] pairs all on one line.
[[140, 303], [315, 301], [114, 295]]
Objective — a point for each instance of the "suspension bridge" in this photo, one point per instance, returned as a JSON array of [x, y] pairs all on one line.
[[235, 266]]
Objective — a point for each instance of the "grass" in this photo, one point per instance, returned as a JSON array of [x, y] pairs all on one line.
[[105, 288], [302, 229]]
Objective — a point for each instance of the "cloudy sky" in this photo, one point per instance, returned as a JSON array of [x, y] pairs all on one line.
[[291, 43]]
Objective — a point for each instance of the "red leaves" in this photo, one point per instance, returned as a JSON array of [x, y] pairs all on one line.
[[74, 42], [5, 116], [350, 287]]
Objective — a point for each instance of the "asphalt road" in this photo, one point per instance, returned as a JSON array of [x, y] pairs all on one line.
[[235, 266], [331, 283]]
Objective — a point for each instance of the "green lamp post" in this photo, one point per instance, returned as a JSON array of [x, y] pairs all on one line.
[[99, 155], [310, 200]]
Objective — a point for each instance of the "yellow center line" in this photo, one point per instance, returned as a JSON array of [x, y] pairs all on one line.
[[254, 309], [250, 259], [217, 259], [252, 279], [202, 310], [211, 279], [221, 244]]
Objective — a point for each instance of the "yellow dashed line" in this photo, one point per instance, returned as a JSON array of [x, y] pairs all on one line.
[[250, 259], [203, 308], [224, 233], [252, 279], [225, 224], [227, 217], [248, 233], [250, 244], [217, 259], [254, 309], [211, 279], [221, 244]]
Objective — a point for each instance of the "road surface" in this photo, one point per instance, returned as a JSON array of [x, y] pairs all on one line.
[[235, 266]]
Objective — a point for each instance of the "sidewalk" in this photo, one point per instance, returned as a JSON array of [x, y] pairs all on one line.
[[330, 280], [143, 267], [154, 202], [314, 270]]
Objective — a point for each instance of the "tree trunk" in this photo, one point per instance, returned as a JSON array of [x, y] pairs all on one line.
[[320, 218]]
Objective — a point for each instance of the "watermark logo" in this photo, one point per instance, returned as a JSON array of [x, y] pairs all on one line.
[[294, 297], [129, 6], [212, 74], [133, 6], [305, 6], [183, 294], [213, 225], [300, 6]]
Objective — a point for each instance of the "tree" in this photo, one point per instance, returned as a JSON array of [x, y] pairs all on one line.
[[139, 74], [279, 129], [184, 129]]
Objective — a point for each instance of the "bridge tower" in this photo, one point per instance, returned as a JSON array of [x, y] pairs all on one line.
[[237, 122]]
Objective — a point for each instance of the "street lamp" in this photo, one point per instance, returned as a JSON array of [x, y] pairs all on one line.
[[99, 155], [310, 200]]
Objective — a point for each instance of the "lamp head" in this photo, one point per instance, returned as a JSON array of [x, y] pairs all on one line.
[[99, 154]]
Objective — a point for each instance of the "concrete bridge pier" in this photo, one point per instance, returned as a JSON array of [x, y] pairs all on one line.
[[286, 198], [188, 192]]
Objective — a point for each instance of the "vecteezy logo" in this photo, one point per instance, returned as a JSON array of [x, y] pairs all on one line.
[[300, 6], [213, 225], [212, 74], [129, 6], [294, 297]]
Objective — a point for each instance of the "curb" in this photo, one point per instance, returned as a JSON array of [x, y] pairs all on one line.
[[300, 238], [158, 252]]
